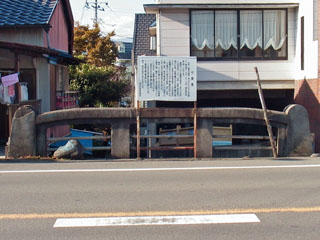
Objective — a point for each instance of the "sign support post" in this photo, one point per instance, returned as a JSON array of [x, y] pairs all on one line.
[[138, 131], [195, 130], [162, 78]]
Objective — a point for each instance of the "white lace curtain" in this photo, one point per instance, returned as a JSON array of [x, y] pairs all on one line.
[[275, 33], [250, 29], [226, 29], [202, 28]]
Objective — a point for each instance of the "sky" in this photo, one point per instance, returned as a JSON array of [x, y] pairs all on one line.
[[118, 15]]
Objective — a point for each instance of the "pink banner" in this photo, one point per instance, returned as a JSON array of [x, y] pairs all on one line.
[[10, 79]]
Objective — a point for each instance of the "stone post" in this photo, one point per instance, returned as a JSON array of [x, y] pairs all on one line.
[[41, 141], [204, 138], [282, 142], [22, 139], [299, 141], [120, 139]]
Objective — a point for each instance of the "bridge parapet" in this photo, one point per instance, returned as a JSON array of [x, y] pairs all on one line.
[[120, 120]]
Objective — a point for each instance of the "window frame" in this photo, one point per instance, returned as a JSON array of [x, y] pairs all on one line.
[[238, 58]]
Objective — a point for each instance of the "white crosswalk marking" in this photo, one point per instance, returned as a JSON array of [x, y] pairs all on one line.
[[156, 220]]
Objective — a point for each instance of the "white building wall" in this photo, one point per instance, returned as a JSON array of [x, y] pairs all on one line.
[[311, 44], [43, 83], [174, 39], [174, 32]]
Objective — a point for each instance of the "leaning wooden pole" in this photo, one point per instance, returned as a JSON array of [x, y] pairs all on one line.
[[265, 114]]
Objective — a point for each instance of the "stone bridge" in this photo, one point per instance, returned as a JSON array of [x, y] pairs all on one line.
[[28, 134]]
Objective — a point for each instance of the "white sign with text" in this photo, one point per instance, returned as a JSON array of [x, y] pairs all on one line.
[[166, 79]]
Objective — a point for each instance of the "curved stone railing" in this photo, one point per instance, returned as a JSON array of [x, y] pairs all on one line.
[[293, 125]]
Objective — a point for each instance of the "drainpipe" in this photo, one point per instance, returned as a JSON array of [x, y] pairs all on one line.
[[158, 33], [46, 29]]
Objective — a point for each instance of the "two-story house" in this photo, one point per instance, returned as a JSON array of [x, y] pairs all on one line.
[[231, 37], [36, 40]]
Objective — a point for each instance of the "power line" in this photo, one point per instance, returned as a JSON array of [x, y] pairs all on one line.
[[97, 6]]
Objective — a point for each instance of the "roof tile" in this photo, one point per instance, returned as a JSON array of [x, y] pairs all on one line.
[[26, 12]]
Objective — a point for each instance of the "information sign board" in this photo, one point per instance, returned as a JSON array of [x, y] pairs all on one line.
[[166, 79]]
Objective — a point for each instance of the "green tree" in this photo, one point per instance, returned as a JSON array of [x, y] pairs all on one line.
[[99, 81], [98, 86]]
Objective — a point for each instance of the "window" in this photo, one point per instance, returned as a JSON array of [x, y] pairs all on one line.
[[239, 34], [121, 48], [153, 43]]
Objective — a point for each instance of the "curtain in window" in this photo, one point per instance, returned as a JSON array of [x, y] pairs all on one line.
[[274, 29], [250, 29], [226, 29], [202, 29]]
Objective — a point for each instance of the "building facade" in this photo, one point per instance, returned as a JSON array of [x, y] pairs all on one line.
[[36, 40], [231, 38]]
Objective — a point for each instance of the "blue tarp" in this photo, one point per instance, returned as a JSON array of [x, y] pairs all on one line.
[[76, 133]]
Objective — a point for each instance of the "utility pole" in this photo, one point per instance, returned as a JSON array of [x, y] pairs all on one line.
[[96, 12], [97, 6]]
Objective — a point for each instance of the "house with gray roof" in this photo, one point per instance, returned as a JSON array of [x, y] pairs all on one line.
[[36, 40], [142, 36]]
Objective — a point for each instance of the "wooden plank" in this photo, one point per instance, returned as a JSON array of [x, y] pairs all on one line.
[[78, 138], [239, 147], [166, 148], [274, 152], [163, 136], [243, 137]]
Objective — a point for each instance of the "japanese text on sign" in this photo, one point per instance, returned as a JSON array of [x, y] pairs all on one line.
[[166, 79]]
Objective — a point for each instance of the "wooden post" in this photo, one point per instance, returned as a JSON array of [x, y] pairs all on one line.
[[265, 114], [17, 70], [195, 130], [150, 146], [138, 130]]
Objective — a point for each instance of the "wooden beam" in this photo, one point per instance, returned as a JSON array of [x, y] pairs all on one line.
[[264, 108]]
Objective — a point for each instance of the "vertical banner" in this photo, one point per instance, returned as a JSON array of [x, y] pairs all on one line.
[[166, 79]]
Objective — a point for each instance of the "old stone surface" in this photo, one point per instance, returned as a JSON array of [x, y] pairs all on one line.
[[204, 138], [22, 140], [120, 139], [299, 140], [315, 155], [72, 150]]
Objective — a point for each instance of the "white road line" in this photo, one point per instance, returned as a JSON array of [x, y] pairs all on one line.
[[155, 169], [155, 220]]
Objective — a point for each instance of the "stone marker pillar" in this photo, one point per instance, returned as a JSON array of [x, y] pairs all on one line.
[[120, 139], [299, 141], [204, 138], [282, 142], [41, 140], [22, 140]]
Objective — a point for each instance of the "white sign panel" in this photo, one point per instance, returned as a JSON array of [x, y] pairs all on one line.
[[166, 79]]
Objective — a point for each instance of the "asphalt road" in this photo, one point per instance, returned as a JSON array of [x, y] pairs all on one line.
[[283, 194]]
